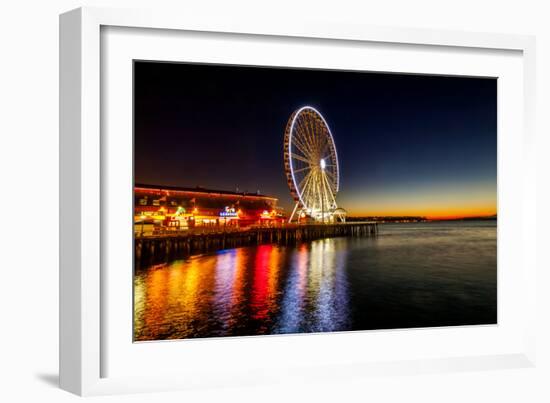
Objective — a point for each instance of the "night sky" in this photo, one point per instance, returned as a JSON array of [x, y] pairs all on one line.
[[407, 144]]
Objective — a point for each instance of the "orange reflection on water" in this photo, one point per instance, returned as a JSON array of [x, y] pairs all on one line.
[[172, 297], [152, 291]]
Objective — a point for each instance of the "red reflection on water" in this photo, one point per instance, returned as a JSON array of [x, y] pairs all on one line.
[[265, 283], [259, 287]]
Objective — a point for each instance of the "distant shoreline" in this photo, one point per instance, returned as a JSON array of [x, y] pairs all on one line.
[[417, 219], [489, 218]]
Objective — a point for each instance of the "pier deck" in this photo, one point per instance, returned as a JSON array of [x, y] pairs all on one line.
[[162, 247]]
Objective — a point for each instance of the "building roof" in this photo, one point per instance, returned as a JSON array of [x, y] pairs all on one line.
[[200, 190]]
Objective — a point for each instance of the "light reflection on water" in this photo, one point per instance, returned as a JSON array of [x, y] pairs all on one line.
[[409, 276], [257, 290]]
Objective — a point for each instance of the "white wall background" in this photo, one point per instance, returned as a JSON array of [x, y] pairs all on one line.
[[29, 197]]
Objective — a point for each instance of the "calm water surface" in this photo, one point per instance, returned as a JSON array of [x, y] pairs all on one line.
[[411, 275]]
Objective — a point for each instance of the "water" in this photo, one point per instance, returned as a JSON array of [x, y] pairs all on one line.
[[411, 275]]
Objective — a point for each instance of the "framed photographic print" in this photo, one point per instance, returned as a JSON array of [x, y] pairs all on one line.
[[385, 223], [236, 199]]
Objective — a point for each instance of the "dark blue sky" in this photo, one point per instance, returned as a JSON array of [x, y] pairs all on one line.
[[407, 144]]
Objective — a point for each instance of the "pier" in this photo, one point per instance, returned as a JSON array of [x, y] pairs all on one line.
[[166, 246]]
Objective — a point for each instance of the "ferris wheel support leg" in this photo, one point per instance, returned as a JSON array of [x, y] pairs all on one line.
[[293, 212]]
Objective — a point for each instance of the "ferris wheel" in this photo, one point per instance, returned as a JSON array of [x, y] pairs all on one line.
[[311, 165]]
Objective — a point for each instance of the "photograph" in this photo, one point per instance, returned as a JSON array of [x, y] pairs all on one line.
[[282, 200]]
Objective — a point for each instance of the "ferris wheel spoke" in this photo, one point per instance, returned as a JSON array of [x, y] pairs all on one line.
[[305, 179], [326, 144], [324, 186], [311, 134], [302, 169], [328, 158], [314, 193], [314, 190], [306, 193], [308, 148], [322, 137], [308, 136], [333, 181], [302, 147], [300, 158], [331, 168], [323, 205], [332, 190], [330, 174], [322, 193], [319, 137]]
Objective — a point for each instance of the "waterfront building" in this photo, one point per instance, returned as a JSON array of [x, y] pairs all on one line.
[[165, 208]]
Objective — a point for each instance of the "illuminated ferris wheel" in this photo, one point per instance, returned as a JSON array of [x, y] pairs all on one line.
[[311, 165]]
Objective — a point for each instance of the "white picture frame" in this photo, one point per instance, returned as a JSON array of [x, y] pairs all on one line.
[[86, 345]]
